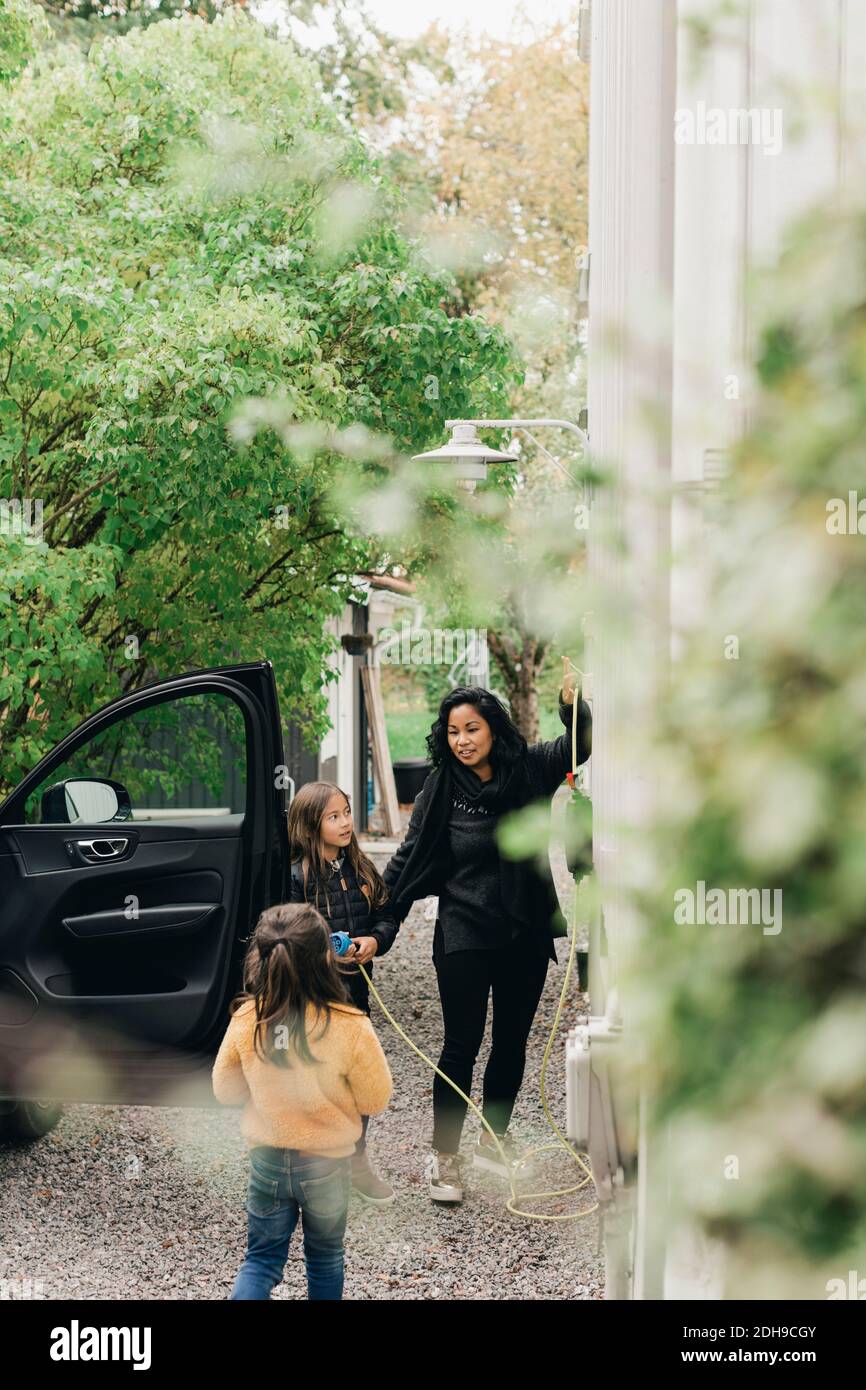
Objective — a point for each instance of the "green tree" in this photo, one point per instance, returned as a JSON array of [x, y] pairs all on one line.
[[22, 29], [366, 70], [497, 156], [186, 224]]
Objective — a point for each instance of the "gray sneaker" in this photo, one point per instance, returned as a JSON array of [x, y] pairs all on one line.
[[368, 1185], [444, 1181]]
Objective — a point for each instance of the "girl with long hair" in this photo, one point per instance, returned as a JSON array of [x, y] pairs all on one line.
[[308, 1068], [330, 870]]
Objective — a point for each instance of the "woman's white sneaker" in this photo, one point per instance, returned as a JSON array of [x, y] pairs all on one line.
[[444, 1182]]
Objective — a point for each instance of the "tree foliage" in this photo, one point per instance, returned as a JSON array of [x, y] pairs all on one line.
[[186, 223], [366, 70], [22, 29], [506, 143], [497, 149]]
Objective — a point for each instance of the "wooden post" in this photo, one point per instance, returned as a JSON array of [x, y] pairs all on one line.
[[372, 684]]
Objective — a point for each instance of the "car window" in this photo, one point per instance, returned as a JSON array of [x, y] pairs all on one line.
[[181, 758]]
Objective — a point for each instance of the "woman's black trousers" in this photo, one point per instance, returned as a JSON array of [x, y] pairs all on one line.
[[515, 976]]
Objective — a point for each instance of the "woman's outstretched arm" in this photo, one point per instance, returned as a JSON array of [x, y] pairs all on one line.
[[552, 758]]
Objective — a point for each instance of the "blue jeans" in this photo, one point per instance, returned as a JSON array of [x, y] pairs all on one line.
[[286, 1183]]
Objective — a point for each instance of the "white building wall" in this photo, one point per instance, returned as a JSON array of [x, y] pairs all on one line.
[[631, 249], [674, 230], [733, 203]]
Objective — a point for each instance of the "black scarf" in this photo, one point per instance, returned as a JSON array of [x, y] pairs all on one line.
[[494, 796], [531, 898]]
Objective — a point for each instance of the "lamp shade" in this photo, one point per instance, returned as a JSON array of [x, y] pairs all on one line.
[[465, 455]]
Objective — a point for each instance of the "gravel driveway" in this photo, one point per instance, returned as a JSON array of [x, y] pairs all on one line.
[[130, 1202]]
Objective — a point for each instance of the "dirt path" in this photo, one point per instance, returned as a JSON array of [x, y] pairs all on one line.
[[142, 1203]]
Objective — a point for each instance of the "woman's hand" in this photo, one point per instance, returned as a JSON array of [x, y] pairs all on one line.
[[569, 681], [365, 949]]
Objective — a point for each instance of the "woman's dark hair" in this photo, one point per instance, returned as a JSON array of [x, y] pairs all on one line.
[[508, 742], [289, 964]]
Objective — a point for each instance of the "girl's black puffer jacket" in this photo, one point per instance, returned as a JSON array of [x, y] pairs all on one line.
[[349, 909]]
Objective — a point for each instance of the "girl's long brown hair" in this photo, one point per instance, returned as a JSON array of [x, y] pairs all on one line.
[[289, 964], [305, 843]]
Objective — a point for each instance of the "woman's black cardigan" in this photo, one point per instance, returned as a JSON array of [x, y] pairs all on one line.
[[419, 869]]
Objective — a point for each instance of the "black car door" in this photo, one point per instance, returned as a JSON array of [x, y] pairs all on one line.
[[134, 860]]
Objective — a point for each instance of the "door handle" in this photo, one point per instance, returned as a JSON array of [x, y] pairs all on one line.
[[95, 851]]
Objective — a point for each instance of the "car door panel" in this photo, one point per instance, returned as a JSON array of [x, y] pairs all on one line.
[[172, 918], [131, 960], [109, 973]]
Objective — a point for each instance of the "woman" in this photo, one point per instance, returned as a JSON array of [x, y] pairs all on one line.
[[497, 917]]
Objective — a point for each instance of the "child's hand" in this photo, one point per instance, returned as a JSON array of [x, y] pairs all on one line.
[[365, 949]]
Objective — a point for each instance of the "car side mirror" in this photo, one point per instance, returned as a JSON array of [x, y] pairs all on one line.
[[85, 801]]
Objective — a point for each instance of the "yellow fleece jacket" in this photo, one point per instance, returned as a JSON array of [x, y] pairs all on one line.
[[313, 1106]]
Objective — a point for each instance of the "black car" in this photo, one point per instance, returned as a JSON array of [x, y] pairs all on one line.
[[134, 860]]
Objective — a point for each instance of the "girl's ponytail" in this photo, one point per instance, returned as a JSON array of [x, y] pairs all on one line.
[[289, 965]]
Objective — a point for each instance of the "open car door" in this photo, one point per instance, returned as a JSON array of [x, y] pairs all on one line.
[[134, 861]]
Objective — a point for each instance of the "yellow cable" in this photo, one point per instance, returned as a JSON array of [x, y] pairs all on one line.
[[562, 1142], [543, 1148]]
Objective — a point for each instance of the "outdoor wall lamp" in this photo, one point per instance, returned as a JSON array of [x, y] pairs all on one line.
[[467, 456]]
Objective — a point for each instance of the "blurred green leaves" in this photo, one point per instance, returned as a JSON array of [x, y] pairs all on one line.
[[753, 1044], [22, 28]]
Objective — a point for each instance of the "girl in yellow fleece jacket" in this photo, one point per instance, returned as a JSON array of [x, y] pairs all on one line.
[[306, 1065]]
